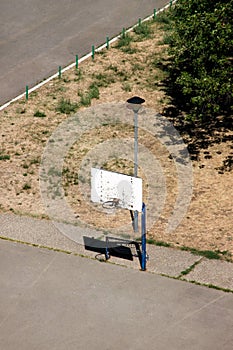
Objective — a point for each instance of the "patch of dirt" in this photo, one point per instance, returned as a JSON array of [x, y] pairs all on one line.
[[116, 76]]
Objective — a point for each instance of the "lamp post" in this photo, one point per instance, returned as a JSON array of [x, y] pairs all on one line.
[[135, 103]]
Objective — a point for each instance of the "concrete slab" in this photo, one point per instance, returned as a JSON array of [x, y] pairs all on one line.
[[169, 261], [162, 260], [36, 231], [218, 273], [61, 301]]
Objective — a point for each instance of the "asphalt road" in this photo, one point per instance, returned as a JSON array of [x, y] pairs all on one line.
[[54, 301], [38, 36]]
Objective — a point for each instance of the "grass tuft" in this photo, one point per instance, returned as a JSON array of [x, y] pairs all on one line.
[[143, 31], [26, 186], [209, 254], [66, 107], [39, 114], [124, 41], [4, 157]]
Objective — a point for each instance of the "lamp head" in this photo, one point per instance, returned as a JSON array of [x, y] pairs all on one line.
[[135, 103]]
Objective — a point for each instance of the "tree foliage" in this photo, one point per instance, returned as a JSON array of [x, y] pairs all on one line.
[[202, 50]]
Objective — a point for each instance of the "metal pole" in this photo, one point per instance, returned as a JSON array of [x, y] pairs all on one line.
[[136, 163], [143, 226], [107, 256]]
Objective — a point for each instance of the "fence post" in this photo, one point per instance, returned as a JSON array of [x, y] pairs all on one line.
[[154, 14], [26, 92], [107, 42]]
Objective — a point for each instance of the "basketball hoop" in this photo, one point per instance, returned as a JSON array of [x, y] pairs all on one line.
[[112, 204], [115, 190]]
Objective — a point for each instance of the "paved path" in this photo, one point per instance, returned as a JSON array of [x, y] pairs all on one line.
[[54, 301], [162, 260], [37, 36]]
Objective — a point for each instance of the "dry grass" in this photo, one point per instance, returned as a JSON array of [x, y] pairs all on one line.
[[113, 76]]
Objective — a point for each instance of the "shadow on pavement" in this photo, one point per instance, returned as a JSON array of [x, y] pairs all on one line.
[[115, 247]]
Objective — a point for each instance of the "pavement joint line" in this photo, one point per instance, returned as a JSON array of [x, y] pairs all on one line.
[[42, 272], [83, 58], [192, 313], [191, 267], [179, 278], [208, 285]]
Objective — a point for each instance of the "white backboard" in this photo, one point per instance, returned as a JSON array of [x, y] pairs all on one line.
[[108, 185]]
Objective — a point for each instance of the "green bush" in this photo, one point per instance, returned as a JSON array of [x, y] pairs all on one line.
[[201, 46]]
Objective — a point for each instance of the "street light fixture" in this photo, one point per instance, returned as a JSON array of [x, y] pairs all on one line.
[[135, 103]]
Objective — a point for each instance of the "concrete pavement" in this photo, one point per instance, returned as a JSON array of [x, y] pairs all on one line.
[[38, 36], [56, 301], [164, 261]]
